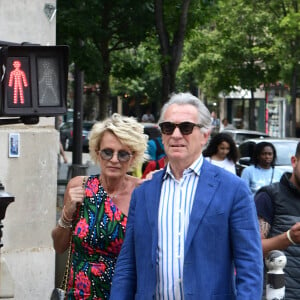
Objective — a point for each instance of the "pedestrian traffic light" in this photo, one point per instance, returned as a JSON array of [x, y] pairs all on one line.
[[33, 80]]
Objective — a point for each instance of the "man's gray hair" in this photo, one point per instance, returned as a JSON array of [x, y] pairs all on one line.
[[189, 99]]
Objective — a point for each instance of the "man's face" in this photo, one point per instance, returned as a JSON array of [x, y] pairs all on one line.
[[183, 148]]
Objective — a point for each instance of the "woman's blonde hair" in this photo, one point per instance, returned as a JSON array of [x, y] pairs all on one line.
[[127, 130]]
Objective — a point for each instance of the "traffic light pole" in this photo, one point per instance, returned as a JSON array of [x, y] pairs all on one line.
[[77, 168], [33, 81]]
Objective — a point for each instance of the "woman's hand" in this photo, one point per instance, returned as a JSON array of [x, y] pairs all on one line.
[[74, 196]]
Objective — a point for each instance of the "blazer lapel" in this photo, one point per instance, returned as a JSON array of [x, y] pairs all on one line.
[[152, 198], [208, 182]]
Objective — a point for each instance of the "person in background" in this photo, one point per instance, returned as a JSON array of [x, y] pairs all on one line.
[[222, 152], [278, 210], [62, 153], [155, 156], [154, 165], [59, 122], [155, 148], [148, 116], [226, 125], [262, 172], [95, 208], [215, 121], [192, 224]]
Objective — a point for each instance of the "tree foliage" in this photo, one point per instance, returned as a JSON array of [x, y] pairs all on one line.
[[149, 49], [95, 29], [246, 44]]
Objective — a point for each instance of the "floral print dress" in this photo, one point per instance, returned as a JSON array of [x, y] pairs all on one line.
[[98, 234]]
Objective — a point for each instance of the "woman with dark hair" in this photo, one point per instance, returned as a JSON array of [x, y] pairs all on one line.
[[222, 151], [262, 171]]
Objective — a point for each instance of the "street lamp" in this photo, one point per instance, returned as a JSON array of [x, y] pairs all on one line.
[[5, 200]]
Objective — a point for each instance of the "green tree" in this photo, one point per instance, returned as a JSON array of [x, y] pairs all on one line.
[[95, 29], [285, 29], [136, 73], [225, 56], [171, 22], [247, 43]]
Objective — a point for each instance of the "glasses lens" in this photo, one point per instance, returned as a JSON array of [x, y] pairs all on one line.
[[106, 154], [167, 127], [186, 127], [123, 156]]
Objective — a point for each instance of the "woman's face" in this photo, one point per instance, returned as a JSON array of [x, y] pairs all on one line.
[[223, 150], [121, 156], [266, 157]]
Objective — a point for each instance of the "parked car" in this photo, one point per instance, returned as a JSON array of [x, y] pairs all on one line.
[[240, 135], [285, 148], [66, 135]]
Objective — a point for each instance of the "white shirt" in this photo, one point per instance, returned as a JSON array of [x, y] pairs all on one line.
[[176, 202], [224, 164]]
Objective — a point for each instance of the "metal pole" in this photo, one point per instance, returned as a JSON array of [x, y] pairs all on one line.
[[77, 117], [77, 168]]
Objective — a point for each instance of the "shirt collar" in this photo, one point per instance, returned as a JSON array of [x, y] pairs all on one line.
[[195, 167]]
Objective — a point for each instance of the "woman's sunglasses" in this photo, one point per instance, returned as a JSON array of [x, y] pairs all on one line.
[[107, 154], [184, 127]]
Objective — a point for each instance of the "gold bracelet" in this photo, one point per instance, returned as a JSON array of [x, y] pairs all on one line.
[[289, 237], [62, 223], [64, 215]]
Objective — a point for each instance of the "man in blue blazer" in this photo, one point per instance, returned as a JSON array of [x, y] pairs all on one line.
[[192, 230]]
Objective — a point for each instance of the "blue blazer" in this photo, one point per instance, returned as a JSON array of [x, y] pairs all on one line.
[[223, 235]]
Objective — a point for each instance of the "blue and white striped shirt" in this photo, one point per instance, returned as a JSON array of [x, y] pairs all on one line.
[[176, 202]]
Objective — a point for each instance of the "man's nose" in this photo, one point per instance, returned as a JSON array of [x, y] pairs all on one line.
[[177, 132]]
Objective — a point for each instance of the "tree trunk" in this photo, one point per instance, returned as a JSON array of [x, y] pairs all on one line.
[[104, 84], [292, 129], [252, 125], [171, 51]]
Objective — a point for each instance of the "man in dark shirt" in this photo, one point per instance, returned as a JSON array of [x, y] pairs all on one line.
[[278, 210]]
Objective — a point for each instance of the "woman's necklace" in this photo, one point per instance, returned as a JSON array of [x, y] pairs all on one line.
[[111, 196]]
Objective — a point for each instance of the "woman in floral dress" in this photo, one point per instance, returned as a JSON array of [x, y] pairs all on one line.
[[96, 207]]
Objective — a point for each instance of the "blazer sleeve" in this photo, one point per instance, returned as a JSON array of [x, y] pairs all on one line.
[[246, 244]]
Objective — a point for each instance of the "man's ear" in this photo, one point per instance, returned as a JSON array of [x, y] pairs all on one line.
[[293, 160], [206, 136]]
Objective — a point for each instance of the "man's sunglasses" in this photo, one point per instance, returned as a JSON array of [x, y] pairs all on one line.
[[107, 154], [184, 127]]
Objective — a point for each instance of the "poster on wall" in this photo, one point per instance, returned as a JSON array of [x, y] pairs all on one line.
[[14, 145]]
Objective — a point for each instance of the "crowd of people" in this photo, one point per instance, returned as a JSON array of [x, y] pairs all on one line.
[[189, 228]]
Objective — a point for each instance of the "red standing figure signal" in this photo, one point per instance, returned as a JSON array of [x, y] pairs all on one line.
[[18, 80]]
